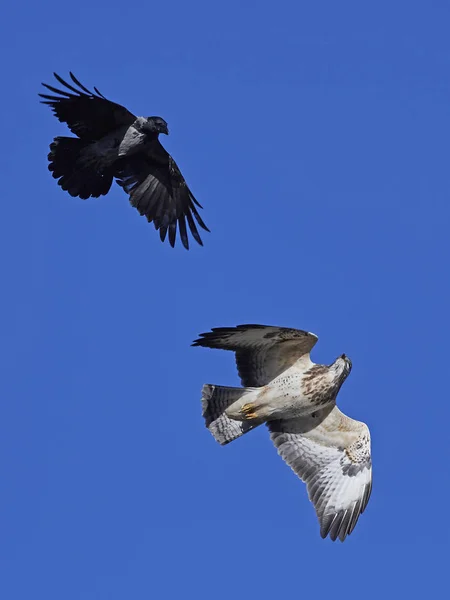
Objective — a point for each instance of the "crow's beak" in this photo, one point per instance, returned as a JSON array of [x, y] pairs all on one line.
[[166, 130]]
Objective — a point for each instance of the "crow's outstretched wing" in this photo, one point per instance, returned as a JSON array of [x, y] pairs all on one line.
[[159, 191], [89, 115]]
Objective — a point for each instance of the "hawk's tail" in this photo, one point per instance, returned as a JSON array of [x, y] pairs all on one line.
[[215, 401], [74, 176]]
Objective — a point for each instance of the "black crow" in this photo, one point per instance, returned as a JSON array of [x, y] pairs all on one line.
[[114, 143]]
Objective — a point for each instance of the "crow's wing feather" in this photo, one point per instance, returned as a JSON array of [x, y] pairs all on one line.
[[89, 115], [159, 191]]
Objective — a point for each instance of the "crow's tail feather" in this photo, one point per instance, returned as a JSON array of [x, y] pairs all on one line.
[[76, 177]]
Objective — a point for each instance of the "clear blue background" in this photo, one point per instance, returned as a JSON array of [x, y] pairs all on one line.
[[316, 135]]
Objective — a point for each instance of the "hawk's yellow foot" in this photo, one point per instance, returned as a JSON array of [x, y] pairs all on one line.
[[249, 410]]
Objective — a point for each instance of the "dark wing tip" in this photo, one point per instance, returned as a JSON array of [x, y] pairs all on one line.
[[210, 339], [197, 216], [172, 233], [183, 232], [366, 496], [206, 338], [200, 341], [96, 90], [193, 228], [80, 85], [342, 523]]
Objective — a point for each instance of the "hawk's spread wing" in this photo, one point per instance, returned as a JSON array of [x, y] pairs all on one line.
[[159, 191], [331, 453], [262, 351], [88, 115]]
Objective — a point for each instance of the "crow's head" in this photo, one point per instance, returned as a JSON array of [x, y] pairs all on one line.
[[155, 125]]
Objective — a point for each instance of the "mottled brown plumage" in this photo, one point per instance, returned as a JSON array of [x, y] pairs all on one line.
[[297, 400]]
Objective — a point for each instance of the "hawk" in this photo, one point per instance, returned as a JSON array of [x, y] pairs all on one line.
[[296, 399], [113, 143]]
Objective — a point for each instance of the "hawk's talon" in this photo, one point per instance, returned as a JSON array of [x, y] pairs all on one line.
[[248, 410]]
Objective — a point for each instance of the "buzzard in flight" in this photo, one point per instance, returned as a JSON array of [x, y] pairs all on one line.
[[297, 400], [112, 143]]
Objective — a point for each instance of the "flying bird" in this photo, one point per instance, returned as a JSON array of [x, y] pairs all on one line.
[[296, 399], [113, 143]]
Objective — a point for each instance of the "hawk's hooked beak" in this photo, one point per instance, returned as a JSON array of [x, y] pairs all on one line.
[[347, 360]]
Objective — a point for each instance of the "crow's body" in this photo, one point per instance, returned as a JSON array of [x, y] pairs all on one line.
[[113, 143]]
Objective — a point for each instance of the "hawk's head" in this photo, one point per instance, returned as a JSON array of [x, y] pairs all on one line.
[[347, 363], [342, 367]]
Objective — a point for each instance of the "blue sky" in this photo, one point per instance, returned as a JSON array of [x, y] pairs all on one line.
[[316, 136]]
